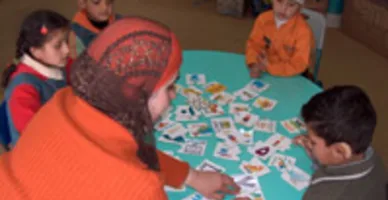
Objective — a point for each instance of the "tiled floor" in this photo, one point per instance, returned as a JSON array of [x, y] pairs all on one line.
[[200, 27]]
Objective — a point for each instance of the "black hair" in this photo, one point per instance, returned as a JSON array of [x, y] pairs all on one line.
[[342, 114], [35, 30]]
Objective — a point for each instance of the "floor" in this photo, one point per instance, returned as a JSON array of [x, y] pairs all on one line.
[[200, 27]]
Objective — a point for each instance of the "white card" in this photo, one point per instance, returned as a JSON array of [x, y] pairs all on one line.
[[262, 150], [238, 107], [245, 94], [215, 87], [171, 189], [186, 113], [257, 86], [246, 137], [199, 130], [179, 139], [265, 125], [297, 178], [226, 152], [282, 162], [191, 91], [246, 119], [210, 166], [213, 110], [279, 142], [222, 98], [195, 79], [248, 184], [223, 124], [195, 196], [254, 167], [164, 124], [194, 147], [176, 130], [257, 195], [264, 103]]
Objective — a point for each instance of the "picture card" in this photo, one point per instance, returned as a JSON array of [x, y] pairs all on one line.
[[257, 195], [265, 125], [160, 126], [227, 152], [171, 189], [210, 166], [262, 150], [248, 183], [238, 107], [265, 103], [245, 118], [213, 110], [279, 142], [195, 196], [194, 147], [282, 162], [254, 167], [246, 137], [186, 113], [222, 98], [176, 130], [294, 125], [195, 79], [223, 124], [191, 90], [297, 178], [199, 130], [215, 87], [257, 86], [245, 94], [178, 139]]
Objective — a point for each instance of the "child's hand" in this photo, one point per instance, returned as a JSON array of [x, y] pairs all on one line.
[[301, 140]]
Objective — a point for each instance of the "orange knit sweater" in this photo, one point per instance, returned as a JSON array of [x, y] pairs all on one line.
[[70, 150]]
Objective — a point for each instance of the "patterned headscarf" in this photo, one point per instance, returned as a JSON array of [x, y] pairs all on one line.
[[122, 68]]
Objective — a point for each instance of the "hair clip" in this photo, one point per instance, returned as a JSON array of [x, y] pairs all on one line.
[[43, 30]]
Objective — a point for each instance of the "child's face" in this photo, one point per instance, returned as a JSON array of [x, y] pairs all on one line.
[[285, 9], [328, 155], [55, 51], [99, 10]]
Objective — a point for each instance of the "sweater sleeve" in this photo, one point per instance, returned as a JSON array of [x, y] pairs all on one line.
[[300, 60], [255, 43], [174, 171], [23, 103], [73, 44]]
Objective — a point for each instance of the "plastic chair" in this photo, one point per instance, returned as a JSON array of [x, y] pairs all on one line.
[[317, 22], [5, 138]]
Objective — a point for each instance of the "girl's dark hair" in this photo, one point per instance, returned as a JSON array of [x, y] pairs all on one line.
[[35, 30]]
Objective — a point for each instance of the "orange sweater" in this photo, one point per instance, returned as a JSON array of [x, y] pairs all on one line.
[[288, 48], [71, 151]]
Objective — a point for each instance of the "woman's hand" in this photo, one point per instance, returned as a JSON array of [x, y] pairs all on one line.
[[213, 185]]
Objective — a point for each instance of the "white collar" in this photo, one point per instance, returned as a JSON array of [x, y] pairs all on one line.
[[280, 22], [49, 72]]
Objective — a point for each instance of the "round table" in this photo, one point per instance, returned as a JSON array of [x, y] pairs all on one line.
[[230, 70]]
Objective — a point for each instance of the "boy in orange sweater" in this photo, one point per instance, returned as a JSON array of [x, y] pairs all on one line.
[[281, 42]]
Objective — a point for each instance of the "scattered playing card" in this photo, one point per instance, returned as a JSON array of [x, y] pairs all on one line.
[[195, 196], [164, 124], [262, 150], [213, 110], [265, 125], [198, 79], [223, 124], [199, 129], [179, 139], [222, 98], [246, 137], [245, 94], [215, 87], [257, 86], [245, 118], [238, 107], [294, 125], [248, 183], [194, 147], [265, 103], [279, 142], [166, 114], [227, 152], [258, 195], [282, 162], [175, 130], [171, 189], [186, 113], [297, 178], [254, 167], [178, 88], [191, 90], [208, 165]]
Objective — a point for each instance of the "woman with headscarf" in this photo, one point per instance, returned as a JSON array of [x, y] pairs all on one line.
[[93, 140]]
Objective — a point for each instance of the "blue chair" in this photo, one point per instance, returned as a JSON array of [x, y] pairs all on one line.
[[5, 138], [317, 22]]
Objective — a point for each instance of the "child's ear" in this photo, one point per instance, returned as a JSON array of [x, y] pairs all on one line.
[[341, 151], [81, 3]]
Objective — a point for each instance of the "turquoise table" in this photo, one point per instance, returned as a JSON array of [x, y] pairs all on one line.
[[229, 69]]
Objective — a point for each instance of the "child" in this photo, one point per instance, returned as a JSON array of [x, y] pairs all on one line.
[[93, 17], [42, 52], [341, 122], [281, 42]]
